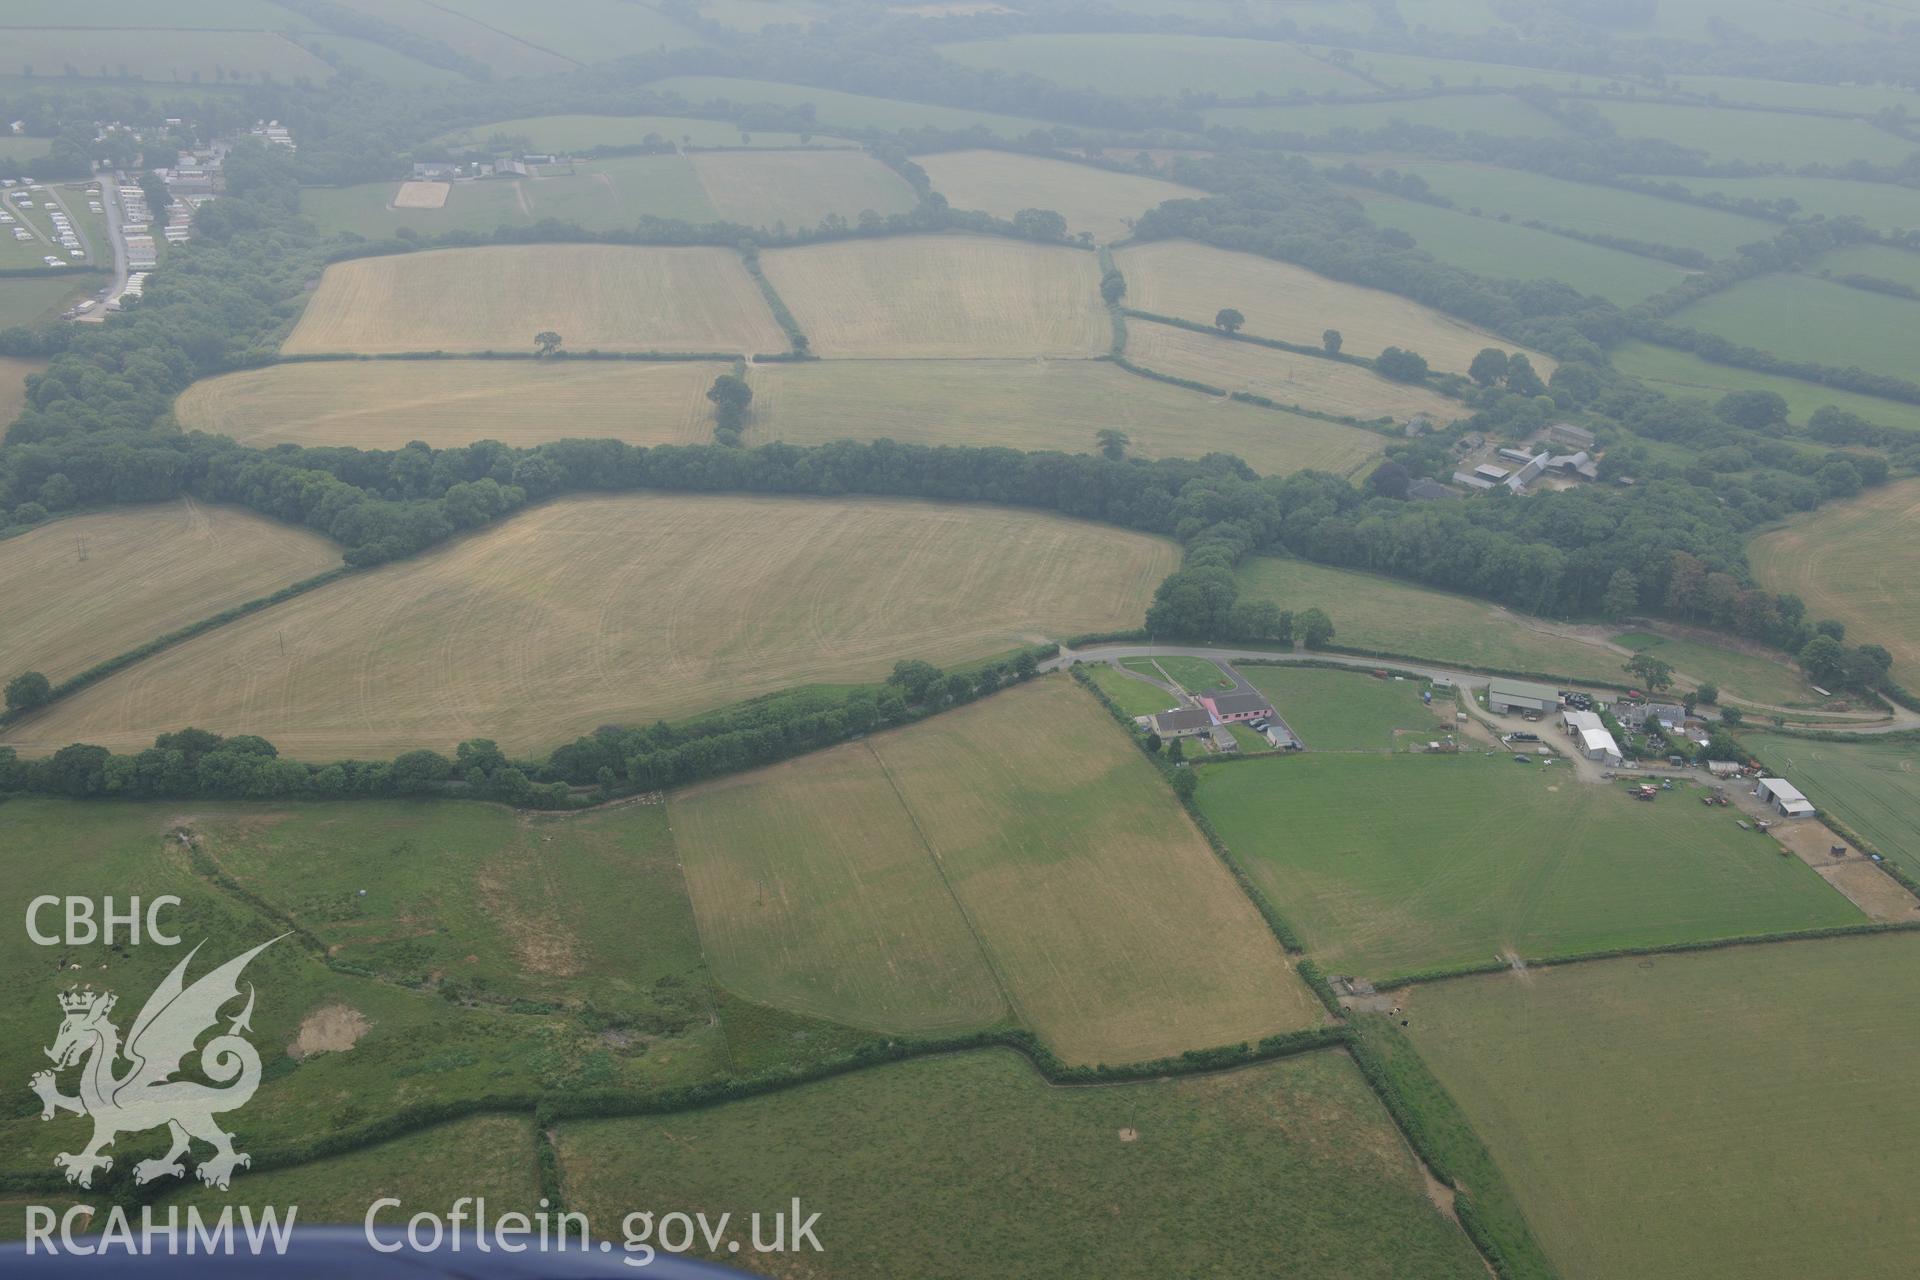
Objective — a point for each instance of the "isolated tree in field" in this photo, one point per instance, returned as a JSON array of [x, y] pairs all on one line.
[[1040, 224], [547, 341], [1732, 716], [1113, 287], [1332, 341], [730, 395], [1488, 367], [1401, 366], [25, 692], [1113, 444], [1623, 595], [1227, 320], [1652, 672], [1707, 694], [1315, 628]]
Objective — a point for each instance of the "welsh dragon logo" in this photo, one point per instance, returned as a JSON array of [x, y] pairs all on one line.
[[146, 1096]]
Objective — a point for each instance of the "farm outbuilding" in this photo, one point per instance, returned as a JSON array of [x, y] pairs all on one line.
[[1505, 696], [1598, 744], [1188, 722], [1238, 706], [1785, 797], [1578, 722], [1567, 433]]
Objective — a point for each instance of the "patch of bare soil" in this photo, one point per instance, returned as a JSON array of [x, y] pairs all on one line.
[[333, 1028], [1849, 871], [521, 902]]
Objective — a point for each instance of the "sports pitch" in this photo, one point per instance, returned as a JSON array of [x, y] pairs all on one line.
[[88, 588], [384, 404], [1736, 1107], [1194, 282], [942, 295], [1098, 201], [585, 611], [1015, 853], [1397, 864], [597, 297]]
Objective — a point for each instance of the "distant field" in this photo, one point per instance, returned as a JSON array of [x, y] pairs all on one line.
[[583, 30], [1590, 207], [1759, 137], [225, 15], [590, 611], [87, 588], [159, 55], [611, 298], [1037, 404], [1902, 266], [380, 62], [1501, 250], [834, 109], [1284, 1195], [1161, 65], [1410, 71], [17, 151], [1098, 201], [1753, 677], [381, 404], [1712, 1101], [1494, 114], [1017, 851], [1685, 374], [600, 195], [1862, 98], [1855, 561], [1803, 318], [1456, 860], [14, 371], [943, 295], [1878, 204], [1194, 281], [504, 54], [1872, 786], [484, 1155], [1348, 711], [29, 301], [1382, 613], [1305, 382], [583, 133], [799, 188]]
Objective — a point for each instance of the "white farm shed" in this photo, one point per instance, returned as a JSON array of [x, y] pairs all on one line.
[[1577, 722], [1785, 797], [1598, 744]]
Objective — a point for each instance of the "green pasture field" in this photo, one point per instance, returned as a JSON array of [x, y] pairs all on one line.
[[1589, 207], [1865, 99], [1747, 1111], [160, 55], [14, 372], [379, 62], [415, 1047], [1902, 266], [483, 1155], [971, 1157], [203, 15], [1348, 711], [582, 30], [566, 134], [1130, 695], [1879, 204], [834, 109], [1803, 318], [17, 151], [1195, 675], [1503, 250], [1759, 137], [1871, 785], [1161, 65], [1770, 20], [1373, 612], [26, 301], [1855, 561], [1682, 373], [1495, 114], [600, 195], [1017, 855], [503, 54], [798, 189], [1395, 864], [755, 15], [1412, 71], [1753, 677]]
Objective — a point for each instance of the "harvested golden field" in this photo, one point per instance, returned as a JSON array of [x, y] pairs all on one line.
[[1002, 183], [590, 611], [383, 404], [1195, 282], [13, 386], [422, 195], [1016, 851], [81, 590], [1037, 404], [953, 296], [597, 297], [1324, 386], [798, 188], [1857, 561]]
